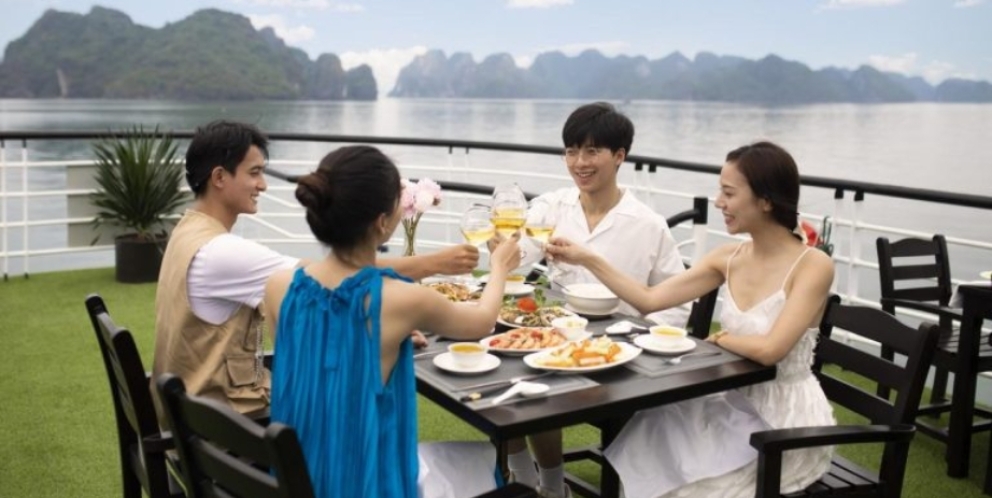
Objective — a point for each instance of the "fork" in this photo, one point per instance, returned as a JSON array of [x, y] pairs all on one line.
[[678, 359]]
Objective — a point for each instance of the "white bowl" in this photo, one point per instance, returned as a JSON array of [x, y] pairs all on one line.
[[467, 354], [667, 336], [571, 327], [595, 299]]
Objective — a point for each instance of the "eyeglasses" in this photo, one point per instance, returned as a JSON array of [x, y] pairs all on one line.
[[584, 153]]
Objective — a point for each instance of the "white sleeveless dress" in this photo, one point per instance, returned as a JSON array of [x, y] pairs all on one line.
[[700, 447]]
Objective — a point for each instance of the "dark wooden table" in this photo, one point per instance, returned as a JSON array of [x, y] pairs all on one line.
[[976, 306], [620, 393]]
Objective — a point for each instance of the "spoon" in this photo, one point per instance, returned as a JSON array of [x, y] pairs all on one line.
[[624, 327], [678, 359], [523, 388]]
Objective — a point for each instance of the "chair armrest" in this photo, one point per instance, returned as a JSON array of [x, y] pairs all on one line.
[[512, 490], [158, 443], [776, 441], [942, 311]]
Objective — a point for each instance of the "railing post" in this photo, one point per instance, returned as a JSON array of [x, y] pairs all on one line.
[[700, 205], [3, 205], [838, 208], [24, 205], [855, 245]]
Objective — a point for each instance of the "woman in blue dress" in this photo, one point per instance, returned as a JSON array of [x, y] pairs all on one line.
[[343, 375]]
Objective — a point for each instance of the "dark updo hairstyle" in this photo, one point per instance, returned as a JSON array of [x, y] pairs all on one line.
[[352, 186], [772, 175]]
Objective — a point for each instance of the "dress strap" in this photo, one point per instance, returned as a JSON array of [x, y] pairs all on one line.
[[731, 258], [794, 265]]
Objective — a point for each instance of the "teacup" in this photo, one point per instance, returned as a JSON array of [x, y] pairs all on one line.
[[667, 336], [571, 327], [467, 354]]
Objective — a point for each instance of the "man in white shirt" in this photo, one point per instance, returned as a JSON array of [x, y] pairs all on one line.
[[208, 321], [596, 213]]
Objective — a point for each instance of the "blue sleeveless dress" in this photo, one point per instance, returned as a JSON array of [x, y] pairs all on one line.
[[359, 434]]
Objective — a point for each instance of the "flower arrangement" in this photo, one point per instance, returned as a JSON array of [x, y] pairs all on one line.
[[415, 200], [819, 239]]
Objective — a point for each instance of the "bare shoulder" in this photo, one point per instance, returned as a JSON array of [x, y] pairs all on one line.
[[819, 262], [717, 258], [277, 284]]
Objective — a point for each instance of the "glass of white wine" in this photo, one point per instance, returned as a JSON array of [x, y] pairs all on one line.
[[509, 209], [476, 225]]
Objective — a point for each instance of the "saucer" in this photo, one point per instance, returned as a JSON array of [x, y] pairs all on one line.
[[445, 362], [651, 345], [516, 289], [587, 314]]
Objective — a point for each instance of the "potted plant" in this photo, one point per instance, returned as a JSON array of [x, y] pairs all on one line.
[[139, 178]]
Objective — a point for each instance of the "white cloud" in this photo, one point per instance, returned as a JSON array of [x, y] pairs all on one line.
[[385, 63], [523, 61], [967, 3], [606, 47], [857, 4], [899, 64], [290, 34], [934, 71], [536, 4], [307, 4]]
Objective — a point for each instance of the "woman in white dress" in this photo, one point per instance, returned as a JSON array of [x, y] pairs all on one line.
[[775, 290]]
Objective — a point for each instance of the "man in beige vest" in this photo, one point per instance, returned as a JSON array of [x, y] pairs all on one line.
[[208, 323]]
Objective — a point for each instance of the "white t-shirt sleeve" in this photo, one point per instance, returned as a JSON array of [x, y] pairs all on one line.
[[229, 272]]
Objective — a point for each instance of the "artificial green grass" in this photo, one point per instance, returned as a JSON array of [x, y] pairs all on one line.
[[56, 418]]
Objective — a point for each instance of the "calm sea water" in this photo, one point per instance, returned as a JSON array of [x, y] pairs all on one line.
[[936, 146]]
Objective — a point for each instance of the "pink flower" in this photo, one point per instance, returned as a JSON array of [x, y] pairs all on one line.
[[419, 197]]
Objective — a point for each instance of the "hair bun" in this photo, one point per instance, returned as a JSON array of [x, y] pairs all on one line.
[[313, 191]]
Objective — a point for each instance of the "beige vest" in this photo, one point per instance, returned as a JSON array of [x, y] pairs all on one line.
[[215, 361]]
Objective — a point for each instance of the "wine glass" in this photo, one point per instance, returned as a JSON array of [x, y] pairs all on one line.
[[477, 226], [509, 209]]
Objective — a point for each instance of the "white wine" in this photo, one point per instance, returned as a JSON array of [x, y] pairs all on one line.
[[540, 233], [479, 236], [507, 226]]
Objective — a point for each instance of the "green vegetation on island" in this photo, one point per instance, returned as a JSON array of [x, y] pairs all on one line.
[[707, 77], [210, 55]]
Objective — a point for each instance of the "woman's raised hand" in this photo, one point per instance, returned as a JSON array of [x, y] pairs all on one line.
[[506, 256]]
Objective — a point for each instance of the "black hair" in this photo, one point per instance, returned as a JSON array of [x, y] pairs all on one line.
[[772, 175], [600, 125], [220, 143], [350, 189]]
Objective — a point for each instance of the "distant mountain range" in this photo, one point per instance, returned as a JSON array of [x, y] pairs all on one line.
[[217, 55], [210, 55], [708, 77]]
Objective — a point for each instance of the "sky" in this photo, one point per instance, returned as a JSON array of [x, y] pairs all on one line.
[[935, 39]]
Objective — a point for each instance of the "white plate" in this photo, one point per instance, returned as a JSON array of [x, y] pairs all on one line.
[[579, 312], [520, 352], [445, 362], [518, 325], [627, 353], [652, 345], [986, 274]]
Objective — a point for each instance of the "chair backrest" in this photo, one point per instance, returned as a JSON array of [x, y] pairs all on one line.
[[223, 453], [917, 345], [137, 424], [701, 315], [931, 279]]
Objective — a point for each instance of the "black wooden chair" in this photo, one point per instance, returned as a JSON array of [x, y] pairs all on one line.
[[141, 444], [894, 419], [906, 282], [701, 316], [224, 454]]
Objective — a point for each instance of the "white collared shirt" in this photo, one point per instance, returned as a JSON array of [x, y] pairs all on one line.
[[632, 237]]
